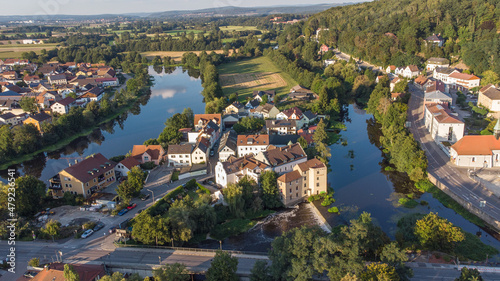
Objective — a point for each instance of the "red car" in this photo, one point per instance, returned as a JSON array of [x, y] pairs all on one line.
[[131, 206]]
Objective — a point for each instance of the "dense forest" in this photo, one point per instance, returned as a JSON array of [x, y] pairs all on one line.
[[394, 31]]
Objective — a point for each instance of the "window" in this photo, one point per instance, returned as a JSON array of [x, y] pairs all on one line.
[[317, 172], [305, 191], [473, 159], [297, 195], [290, 190], [296, 188], [317, 184], [304, 185], [317, 178], [182, 161], [94, 180]]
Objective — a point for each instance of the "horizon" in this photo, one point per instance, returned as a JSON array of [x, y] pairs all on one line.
[[117, 7]]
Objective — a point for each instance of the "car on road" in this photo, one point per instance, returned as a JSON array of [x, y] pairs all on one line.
[[87, 233], [212, 153], [30, 274], [123, 212], [98, 226], [145, 197], [131, 206], [112, 229]]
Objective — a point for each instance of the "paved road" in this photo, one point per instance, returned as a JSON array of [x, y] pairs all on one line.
[[445, 274], [440, 167]]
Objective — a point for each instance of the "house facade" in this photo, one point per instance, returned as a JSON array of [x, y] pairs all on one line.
[[433, 63], [265, 111], [251, 144], [281, 127], [410, 71], [479, 151], [234, 169], [489, 97], [179, 155], [228, 146], [442, 124], [38, 119], [306, 179], [148, 153], [63, 106], [282, 159], [200, 152], [124, 166]]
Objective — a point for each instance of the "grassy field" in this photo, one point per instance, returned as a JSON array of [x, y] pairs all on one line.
[[247, 75], [237, 28], [14, 51]]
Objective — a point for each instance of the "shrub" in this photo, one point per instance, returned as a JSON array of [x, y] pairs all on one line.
[[175, 176], [34, 262], [148, 165], [333, 210]]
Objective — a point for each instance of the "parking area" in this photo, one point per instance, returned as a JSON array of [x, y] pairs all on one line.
[[72, 215]]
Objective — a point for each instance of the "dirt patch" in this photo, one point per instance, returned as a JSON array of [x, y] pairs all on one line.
[[267, 80], [71, 215]]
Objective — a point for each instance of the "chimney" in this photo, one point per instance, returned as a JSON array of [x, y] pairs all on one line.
[[76, 161]]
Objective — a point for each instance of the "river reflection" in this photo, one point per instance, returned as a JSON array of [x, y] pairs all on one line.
[[174, 89]]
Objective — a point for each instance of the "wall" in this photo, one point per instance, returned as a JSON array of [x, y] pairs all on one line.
[[467, 205]]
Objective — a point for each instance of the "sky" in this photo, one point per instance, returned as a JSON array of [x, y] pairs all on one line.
[[92, 7]]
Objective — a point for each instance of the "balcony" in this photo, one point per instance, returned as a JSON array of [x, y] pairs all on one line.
[[55, 182]]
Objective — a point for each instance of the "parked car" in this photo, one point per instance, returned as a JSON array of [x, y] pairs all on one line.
[[87, 233], [145, 197], [131, 206], [212, 153], [123, 212], [30, 274], [112, 229], [98, 226]]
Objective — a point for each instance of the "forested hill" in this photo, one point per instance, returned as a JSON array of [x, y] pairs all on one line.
[[470, 27]]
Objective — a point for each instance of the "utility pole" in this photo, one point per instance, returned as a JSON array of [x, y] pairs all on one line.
[[152, 194]]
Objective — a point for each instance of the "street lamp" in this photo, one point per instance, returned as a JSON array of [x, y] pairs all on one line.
[[172, 239], [220, 243], [153, 194], [159, 260]]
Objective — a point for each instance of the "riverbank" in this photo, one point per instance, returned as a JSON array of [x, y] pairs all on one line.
[[62, 143], [323, 223]]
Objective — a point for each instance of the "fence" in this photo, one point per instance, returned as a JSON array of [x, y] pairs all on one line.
[[192, 249], [193, 174]]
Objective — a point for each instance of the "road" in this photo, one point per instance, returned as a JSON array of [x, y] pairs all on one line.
[[364, 64], [445, 274], [440, 167]]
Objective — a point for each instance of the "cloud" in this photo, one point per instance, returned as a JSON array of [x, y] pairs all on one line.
[[168, 92]]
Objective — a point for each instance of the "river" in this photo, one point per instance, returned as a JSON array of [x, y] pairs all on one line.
[[357, 176]]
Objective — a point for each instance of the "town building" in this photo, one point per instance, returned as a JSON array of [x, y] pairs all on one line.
[[200, 151], [38, 119], [234, 169], [282, 159], [228, 146], [94, 173], [265, 111], [55, 272], [301, 93], [410, 71], [58, 79], [442, 124], [390, 69], [124, 166], [306, 179], [251, 144], [480, 151], [235, 108], [489, 97], [149, 153], [179, 155], [435, 40], [281, 127], [63, 106], [433, 63], [259, 95]]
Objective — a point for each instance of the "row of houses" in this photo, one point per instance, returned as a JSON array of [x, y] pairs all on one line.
[[298, 177]]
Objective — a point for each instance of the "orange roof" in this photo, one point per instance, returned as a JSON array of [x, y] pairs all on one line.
[[476, 145], [421, 80], [397, 95], [289, 177], [252, 140], [130, 162], [463, 76], [313, 163], [442, 114], [155, 151], [206, 118], [85, 272]]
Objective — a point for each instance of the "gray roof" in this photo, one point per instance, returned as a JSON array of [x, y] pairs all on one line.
[[7, 115], [438, 61], [228, 140], [57, 77], [445, 70], [180, 148], [281, 140], [492, 93], [310, 115], [253, 103], [9, 94], [266, 108], [437, 95], [280, 123], [434, 37]]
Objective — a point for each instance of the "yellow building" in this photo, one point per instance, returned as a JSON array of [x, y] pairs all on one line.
[[38, 119], [306, 179], [86, 177]]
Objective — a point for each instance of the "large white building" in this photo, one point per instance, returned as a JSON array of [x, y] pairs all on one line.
[[442, 124], [433, 63], [476, 151], [228, 145], [179, 155], [455, 80]]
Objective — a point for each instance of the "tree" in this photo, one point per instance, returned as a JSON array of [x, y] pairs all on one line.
[[303, 142], [233, 195], [269, 188], [469, 274], [35, 262], [320, 134], [149, 230], [437, 233], [260, 271], [379, 271], [223, 268], [136, 178], [70, 273], [28, 104], [125, 191], [30, 192], [171, 272], [52, 228]]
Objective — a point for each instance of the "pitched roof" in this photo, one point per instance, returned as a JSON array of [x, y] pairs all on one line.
[[290, 176], [67, 101], [421, 80], [205, 118], [130, 162], [413, 68], [228, 140], [476, 145], [290, 111], [7, 115], [9, 93], [180, 148], [434, 37], [281, 123], [463, 76], [57, 77], [237, 104], [436, 95], [249, 140], [270, 93], [485, 88], [233, 165], [311, 164], [266, 108], [310, 115], [253, 103], [299, 88], [392, 67], [492, 93], [279, 140], [397, 95], [203, 144], [40, 116], [282, 155], [445, 70], [155, 151], [55, 272], [92, 167], [440, 61], [442, 114]]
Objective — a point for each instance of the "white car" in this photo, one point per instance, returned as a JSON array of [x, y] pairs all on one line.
[[87, 233]]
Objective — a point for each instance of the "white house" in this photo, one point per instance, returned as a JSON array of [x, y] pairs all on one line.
[[251, 144], [179, 155], [200, 152], [435, 39], [234, 169], [481, 151], [281, 127], [329, 62], [433, 63], [442, 124], [489, 97], [265, 111], [228, 145], [410, 71], [126, 165], [63, 106], [462, 82], [293, 113], [283, 159]]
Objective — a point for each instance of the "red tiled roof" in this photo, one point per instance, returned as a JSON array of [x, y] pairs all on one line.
[[289, 177], [67, 101], [442, 114], [81, 170], [155, 151], [207, 117], [311, 164], [130, 162], [244, 140], [476, 145], [463, 76], [86, 272]]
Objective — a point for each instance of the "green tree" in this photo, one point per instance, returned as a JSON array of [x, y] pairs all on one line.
[[29, 195], [436, 233], [320, 134], [379, 271], [223, 268], [303, 142], [469, 274], [171, 272], [70, 273], [28, 104], [125, 191], [233, 195], [136, 178], [52, 228], [260, 271], [35, 262], [149, 230], [269, 189]]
